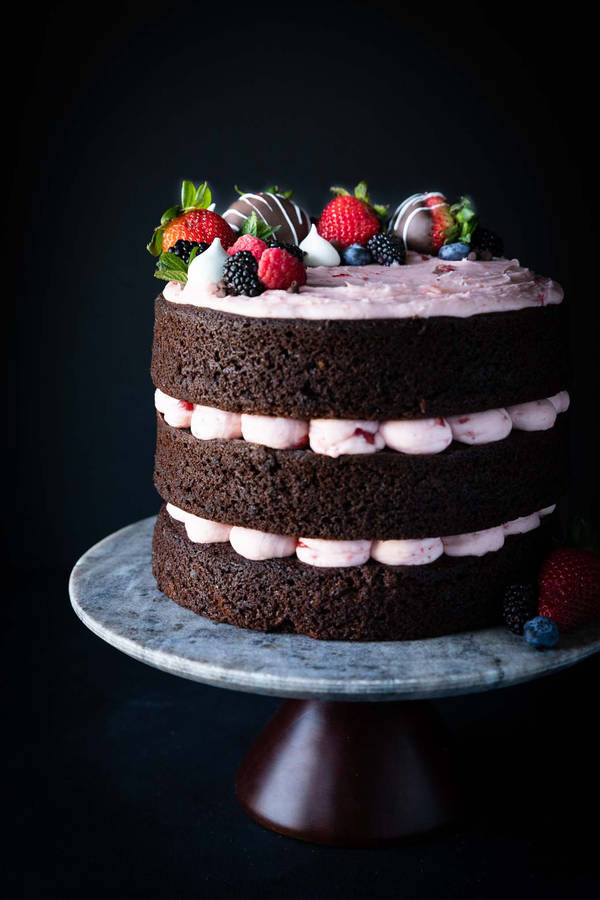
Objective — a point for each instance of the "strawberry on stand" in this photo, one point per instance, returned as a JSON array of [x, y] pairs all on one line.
[[569, 581]]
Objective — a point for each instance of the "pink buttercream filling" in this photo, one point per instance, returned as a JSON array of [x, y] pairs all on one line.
[[337, 437], [422, 288], [261, 545]]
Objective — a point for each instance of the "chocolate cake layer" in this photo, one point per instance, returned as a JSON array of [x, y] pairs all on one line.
[[369, 602], [366, 369], [384, 495]]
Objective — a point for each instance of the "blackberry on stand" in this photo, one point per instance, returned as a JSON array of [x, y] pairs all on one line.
[[240, 275], [519, 606]]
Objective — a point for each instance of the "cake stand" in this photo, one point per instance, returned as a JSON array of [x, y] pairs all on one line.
[[333, 766]]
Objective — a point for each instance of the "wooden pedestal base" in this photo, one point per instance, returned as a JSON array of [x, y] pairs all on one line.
[[349, 774]]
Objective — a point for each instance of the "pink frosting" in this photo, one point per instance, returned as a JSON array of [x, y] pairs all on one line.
[[560, 401], [330, 554], [177, 413], [274, 431], [522, 525], [335, 437], [200, 531], [481, 428], [407, 553], [477, 543], [425, 287], [539, 415], [417, 435], [209, 424], [259, 545]]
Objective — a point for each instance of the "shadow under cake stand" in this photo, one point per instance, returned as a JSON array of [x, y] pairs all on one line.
[[333, 766]]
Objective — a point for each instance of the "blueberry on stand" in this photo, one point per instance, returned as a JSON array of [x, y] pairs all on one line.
[[541, 632]]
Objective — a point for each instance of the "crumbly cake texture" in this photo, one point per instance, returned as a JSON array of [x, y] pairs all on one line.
[[368, 602], [385, 495], [353, 369]]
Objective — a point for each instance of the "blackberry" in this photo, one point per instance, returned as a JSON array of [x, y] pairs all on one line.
[[519, 606], [386, 249], [183, 249], [240, 275], [486, 241], [294, 249]]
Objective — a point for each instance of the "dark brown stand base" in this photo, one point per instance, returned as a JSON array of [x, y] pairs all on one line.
[[350, 774]]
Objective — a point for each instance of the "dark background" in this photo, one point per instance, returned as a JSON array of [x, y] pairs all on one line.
[[110, 107]]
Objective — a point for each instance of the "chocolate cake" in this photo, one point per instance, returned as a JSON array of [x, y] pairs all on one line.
[[355, 452]]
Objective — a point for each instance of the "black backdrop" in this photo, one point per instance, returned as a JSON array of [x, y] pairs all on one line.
[[113, 105]]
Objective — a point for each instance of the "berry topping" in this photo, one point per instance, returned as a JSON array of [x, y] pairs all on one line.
[[355, 255], [350, 219], [519, 606], [443, 269], [569, 583], [240, 275], [279, 270], [387, 249], [486, 241], [541, 632], [458, 250], [191, 220], [247, 242], [183, 249], [294, 249]]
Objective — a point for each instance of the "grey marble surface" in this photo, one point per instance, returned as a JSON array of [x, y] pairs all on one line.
[[114, 594]]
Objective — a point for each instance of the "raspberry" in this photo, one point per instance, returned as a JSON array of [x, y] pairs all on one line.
[[247, 242], [294, 249], [240, 275], [183, 249], [278, 269], [387, 249]]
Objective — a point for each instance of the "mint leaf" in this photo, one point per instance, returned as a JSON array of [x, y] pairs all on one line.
[[171, 268], [255, 227]]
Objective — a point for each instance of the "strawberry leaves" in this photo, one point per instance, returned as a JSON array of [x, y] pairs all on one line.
[[361, 192], [465, 222], [192, 197]]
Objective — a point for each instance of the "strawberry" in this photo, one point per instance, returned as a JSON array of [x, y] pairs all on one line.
[[248, 242], [442, 220], [350, 219], [278, 269], [569, 583], [191, 221]]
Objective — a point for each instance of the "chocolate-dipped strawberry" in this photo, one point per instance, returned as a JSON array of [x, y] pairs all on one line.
[[275, 210], [423, 221]]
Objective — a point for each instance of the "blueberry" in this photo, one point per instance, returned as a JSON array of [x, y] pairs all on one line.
[[541, 632], [355, 255], [454, 251]]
